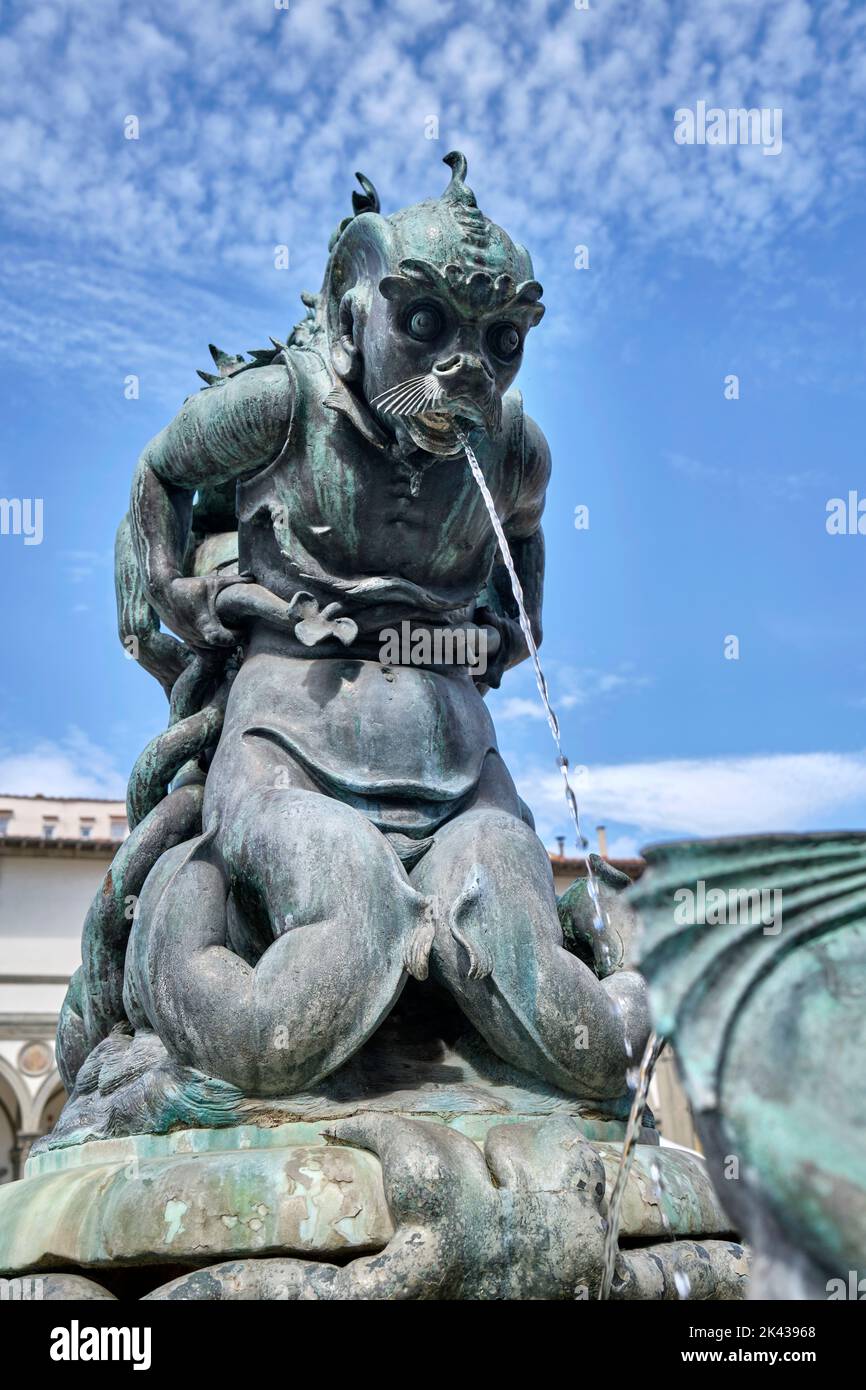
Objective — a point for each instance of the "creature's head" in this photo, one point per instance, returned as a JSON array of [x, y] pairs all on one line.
[[427, 311]]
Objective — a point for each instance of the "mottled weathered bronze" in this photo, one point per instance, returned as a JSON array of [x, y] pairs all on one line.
[[755, 951]]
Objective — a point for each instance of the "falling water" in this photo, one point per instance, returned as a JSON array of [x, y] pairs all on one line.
[[682, 1283], [614, 1210], [423, 393], [540, 680]]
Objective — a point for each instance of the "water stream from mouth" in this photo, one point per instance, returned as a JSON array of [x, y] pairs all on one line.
[[654, 1044], [540, 679], [423, 393]]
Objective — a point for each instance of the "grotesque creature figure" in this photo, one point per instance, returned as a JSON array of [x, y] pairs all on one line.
[[318, 824]]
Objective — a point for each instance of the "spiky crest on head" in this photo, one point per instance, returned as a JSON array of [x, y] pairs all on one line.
[[445, 243]]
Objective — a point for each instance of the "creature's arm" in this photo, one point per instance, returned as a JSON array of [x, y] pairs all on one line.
[[526, 541], [228, 430]]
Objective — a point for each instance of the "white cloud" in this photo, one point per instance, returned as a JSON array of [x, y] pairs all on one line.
[[72, 766], [83, 564], [707, 796], [620, 846], [569, 689], [519, 707]]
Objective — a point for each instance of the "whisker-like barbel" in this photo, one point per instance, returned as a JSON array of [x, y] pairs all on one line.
[[418, 399], [393, 392], [414, 396]]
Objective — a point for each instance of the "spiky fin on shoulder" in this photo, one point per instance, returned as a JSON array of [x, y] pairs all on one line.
[[230, 364]]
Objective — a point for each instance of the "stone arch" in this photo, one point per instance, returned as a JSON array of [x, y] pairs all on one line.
[[52, 1088], [15, 1083], [8, 1129], [13, 1098]]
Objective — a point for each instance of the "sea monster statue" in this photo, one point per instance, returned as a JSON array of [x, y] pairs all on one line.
[[357, 823], [332, 902]]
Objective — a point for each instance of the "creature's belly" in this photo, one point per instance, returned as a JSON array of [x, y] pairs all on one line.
[[404, 744]]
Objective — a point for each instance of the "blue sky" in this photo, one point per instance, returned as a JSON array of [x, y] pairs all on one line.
[[707, 515]]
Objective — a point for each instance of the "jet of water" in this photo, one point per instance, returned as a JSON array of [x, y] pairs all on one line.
[[614, 1209], [654, 1043], [420, 394], [540, 680]]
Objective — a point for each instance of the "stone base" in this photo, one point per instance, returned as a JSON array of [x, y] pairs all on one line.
[[166, 1205], [426, 1167]]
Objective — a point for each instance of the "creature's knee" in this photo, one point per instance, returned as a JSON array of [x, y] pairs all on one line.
[[495, 838], [305, 823], [492, 881], [295, 857]]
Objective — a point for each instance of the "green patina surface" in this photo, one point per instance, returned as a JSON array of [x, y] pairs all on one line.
[[275, 1136], [203, 1195], [763, 1002]]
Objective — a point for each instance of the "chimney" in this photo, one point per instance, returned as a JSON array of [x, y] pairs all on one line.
[[601, 832], [560, 846]]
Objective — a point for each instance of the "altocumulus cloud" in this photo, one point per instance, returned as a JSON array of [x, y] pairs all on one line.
[[251, 119]]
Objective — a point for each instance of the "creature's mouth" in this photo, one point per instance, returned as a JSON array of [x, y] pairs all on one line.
[[432, 416]]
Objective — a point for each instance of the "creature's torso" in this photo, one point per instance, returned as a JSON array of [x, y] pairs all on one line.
[[403, 745], [345, 519]]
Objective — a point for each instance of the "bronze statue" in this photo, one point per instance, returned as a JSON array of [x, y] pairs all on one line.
[[358, 825]]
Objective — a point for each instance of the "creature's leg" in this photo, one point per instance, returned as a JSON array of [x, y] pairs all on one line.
[[498, 949], [94, 1002], [344, 924]]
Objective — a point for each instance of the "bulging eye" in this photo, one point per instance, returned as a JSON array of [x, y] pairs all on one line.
[[504, 341], [424, 322]]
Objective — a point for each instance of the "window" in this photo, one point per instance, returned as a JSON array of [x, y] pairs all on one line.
[[5, 818], [49, 827], [118, 828], [85, 829]]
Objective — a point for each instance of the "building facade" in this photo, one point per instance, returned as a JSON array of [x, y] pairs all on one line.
[[54, 853]]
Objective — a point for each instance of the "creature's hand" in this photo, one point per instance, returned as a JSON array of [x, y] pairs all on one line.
[[505, 643], [190, 610], [248, 601]]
